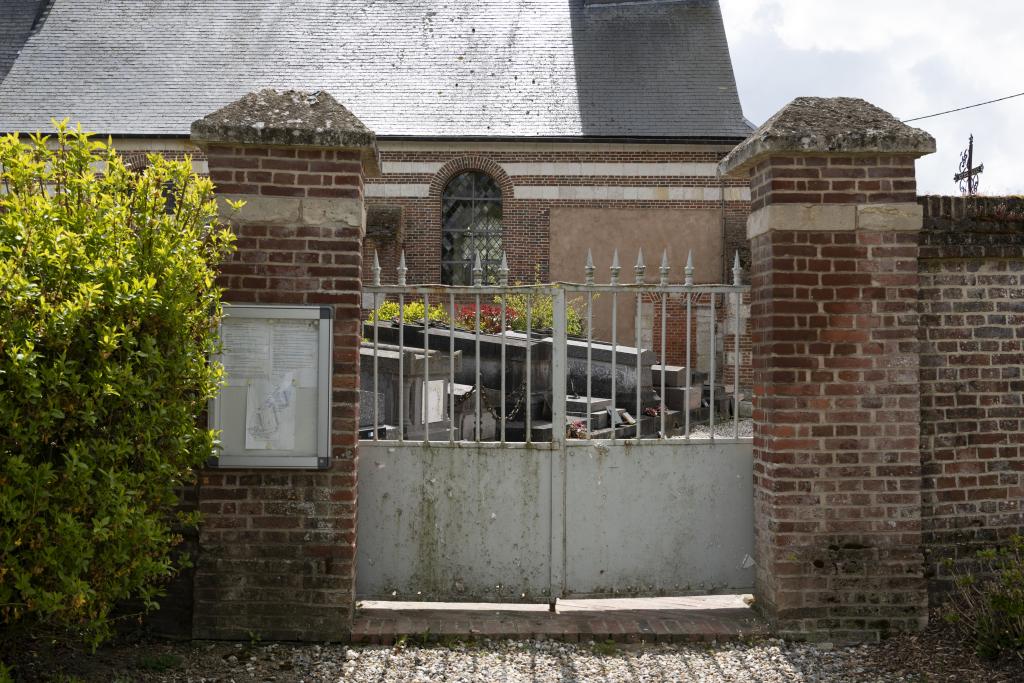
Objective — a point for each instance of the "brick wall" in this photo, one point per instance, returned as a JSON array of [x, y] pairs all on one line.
[[525, 219], [864, 179], [972, 377], [837, 470], [277, 547]]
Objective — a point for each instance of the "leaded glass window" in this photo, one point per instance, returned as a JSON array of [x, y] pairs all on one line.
[[471, 223]]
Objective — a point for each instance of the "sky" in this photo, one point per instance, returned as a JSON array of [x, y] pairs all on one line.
[[909, 57]]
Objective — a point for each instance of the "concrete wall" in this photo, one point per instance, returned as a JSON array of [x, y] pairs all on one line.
[[483, 523], [462, 523], [658, 519]]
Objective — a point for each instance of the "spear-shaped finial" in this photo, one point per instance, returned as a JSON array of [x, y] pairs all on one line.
[[615, 268], [689, 269], [402, 270], [589, 268], [503, 271], [478, 271], [639, 268], [736, 271], [663, 271], [376, 269]]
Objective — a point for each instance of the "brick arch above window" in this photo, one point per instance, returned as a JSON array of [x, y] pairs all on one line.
[[471, 163]]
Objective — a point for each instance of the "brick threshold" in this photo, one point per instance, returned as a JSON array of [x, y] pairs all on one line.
[[635, 620]]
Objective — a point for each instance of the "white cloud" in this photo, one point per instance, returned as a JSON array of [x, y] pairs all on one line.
[[910, 57]]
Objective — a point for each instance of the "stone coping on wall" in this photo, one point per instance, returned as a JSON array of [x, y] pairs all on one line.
[[289, 118], [827, 125]]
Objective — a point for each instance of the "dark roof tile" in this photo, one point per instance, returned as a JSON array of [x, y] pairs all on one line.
[[418, 68]]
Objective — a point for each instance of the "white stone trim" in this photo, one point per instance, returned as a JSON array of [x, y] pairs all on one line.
[[700, 170], [475, 146], [901, 216], [428, 167], [896, 216], [414, 190], [614, 192]]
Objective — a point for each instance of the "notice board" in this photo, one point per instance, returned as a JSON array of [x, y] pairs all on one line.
[[274, 409]]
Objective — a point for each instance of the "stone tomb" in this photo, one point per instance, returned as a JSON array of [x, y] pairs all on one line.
[[599, 422], [425, 402]]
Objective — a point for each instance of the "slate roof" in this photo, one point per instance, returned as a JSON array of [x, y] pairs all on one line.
[[16, 20], [410, 68]]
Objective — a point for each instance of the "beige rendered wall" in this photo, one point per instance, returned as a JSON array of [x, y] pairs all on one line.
[[574, 230]]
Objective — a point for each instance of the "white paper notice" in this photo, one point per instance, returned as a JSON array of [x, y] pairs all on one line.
[[270, 414], [294, 346], [246, 355]]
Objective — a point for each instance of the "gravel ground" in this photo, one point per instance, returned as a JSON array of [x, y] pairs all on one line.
[[723, 430], [933, 656]]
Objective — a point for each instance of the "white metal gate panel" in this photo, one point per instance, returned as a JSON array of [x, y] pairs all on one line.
[[453, 507]]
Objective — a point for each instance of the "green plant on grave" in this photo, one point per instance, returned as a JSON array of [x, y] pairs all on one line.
[[108, 315], [542, 310], [412, 312], [987, 606]]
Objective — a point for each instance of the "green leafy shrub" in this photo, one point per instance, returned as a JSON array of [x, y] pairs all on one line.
[[108, 310], [988, 606], [412, 312], [542, 313]]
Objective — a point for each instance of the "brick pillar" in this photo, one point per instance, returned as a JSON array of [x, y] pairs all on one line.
[[837, 467], [277, 547]]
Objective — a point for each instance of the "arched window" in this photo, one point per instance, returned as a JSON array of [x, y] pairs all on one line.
[[471, 223]]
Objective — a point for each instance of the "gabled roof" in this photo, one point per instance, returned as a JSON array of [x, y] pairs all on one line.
[[411, 68], [17, 17]]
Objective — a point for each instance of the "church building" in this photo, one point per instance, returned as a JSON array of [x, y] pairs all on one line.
[[538, 128]]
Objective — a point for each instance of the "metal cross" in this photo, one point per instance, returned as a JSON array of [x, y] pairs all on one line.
[[968, 175]]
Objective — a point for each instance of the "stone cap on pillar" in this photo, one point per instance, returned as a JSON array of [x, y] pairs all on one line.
[[827, 125], [289, 118]]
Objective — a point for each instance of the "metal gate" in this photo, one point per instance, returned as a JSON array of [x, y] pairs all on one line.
[[504, 461]]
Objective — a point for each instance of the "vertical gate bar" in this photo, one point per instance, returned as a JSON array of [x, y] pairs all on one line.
[[477, 364], [424, 408], [589, 270], [615, 326], [713, 348], [736, 282], [478, 280], [376, 389], [590, 350], [559, 367], [736, 386], [638, 322], [503, 281], [557, 460], [451, 368], [401, 366], [401, 347], [529, 365], [689, 340], [615, 329], [376, 305], [664, 307], [503, 368], [664, 298], [639, 353]]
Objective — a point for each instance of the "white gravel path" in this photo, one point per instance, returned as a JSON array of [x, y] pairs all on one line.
[[767, 662]]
